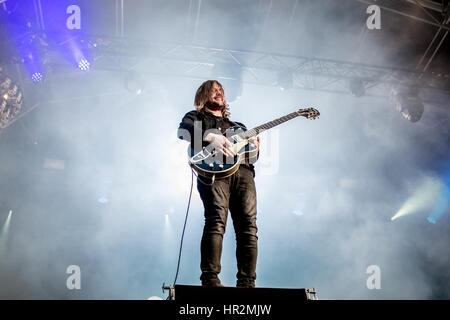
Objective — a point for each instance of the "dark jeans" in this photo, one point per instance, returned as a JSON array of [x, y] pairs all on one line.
[[238, 194]]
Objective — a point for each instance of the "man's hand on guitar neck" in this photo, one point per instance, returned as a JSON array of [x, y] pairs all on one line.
[[220, 143]]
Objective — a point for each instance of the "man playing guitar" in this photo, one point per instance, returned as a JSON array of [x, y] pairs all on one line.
[[236, 192]]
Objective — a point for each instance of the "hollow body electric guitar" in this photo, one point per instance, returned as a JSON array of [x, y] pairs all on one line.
[[211, 163]]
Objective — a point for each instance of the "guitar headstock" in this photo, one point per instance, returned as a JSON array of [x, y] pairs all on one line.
[[309, 113]]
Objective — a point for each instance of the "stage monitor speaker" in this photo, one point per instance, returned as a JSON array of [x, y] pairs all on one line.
[[186, 293]]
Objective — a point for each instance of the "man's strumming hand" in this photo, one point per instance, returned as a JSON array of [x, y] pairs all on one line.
[[221, 144]]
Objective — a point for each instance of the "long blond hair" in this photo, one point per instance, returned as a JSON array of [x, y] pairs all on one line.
[[202, 96]]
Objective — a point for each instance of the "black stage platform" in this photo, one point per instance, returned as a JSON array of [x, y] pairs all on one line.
[[189, 293]]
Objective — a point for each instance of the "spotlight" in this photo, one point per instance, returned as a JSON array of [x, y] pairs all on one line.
[[84, 65], [285, 79], [7, 223], [37, 77], [4, 234], [423, 199], [75, 50], [407, 102], [32, 56], [356, 87]]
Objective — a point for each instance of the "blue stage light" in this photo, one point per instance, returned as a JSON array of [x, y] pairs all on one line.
[[37, 77], [84, 65]]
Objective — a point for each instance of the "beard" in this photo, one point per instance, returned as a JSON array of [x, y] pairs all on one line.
[[214, 106]]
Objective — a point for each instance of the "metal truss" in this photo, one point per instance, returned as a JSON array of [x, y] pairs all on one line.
[[262, 68], [122, 54], [425, 7], [118, 54], [266, 68]]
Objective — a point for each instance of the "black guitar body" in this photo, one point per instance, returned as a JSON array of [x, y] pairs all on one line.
[[214, 165]]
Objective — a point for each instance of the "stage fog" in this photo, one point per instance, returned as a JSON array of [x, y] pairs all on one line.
[[96, 177]]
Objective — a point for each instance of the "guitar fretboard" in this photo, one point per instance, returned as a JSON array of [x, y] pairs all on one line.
[[266, 126]]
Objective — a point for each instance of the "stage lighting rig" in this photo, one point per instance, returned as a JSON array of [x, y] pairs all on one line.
[[407, 101], [10, 99]]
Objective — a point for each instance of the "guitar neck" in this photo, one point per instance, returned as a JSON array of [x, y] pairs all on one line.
[[266, 126]]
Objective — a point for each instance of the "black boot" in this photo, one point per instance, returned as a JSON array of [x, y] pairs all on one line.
[[211, 283], [245, 284]]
